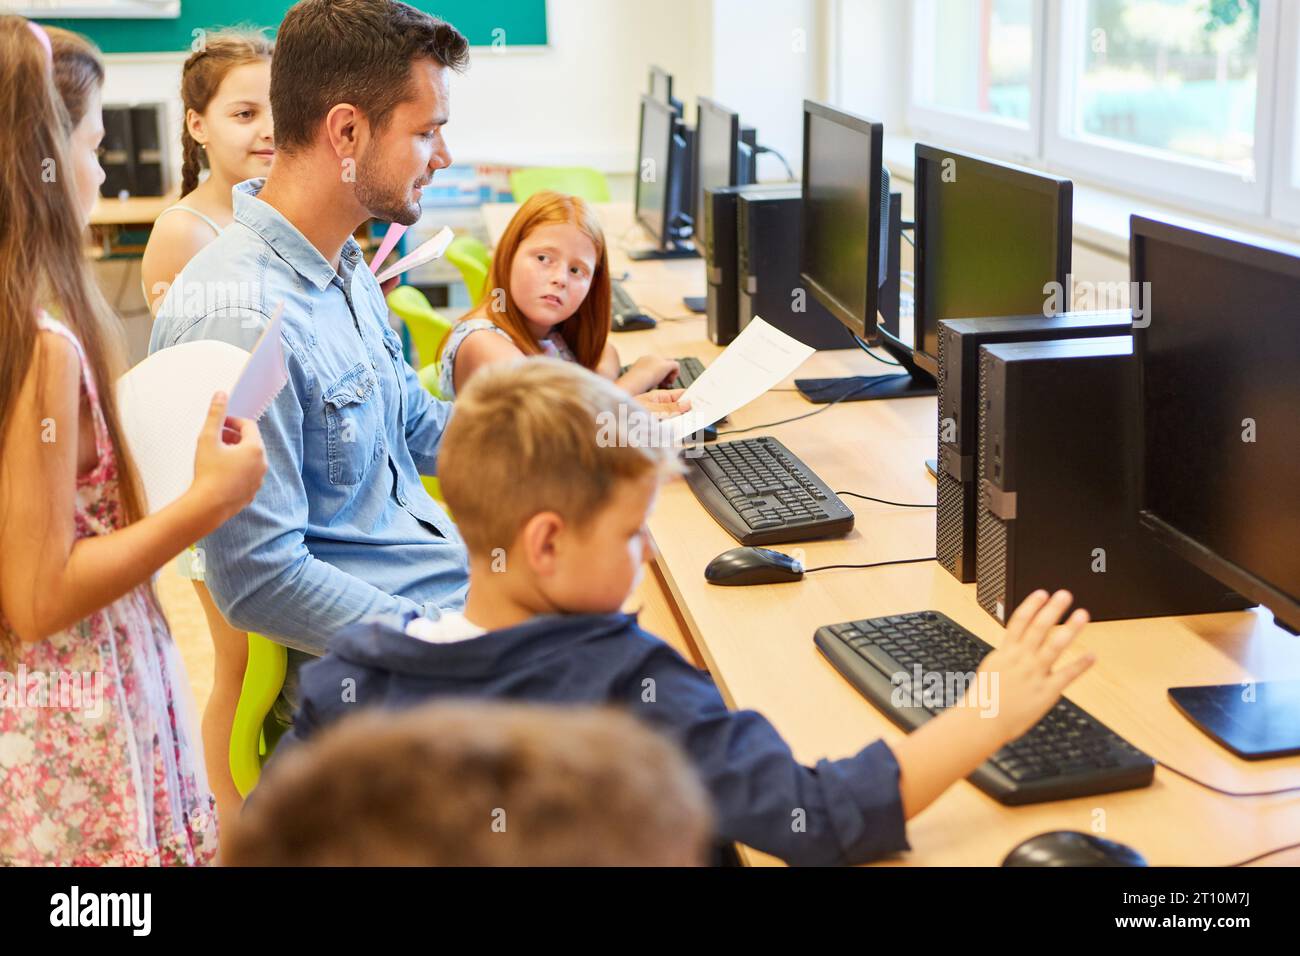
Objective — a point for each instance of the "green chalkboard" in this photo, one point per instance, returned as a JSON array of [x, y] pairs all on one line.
[[524, 23]]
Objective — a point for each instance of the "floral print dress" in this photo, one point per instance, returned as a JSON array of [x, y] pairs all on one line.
[[99, 760]]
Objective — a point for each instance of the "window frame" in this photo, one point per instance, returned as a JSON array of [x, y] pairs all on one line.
[[1285, 198], [961, 127], [1270, 200], [1183, 181]]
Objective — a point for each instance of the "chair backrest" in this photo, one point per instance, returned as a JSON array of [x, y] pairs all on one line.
[[472, 258], [426, 324], [590, 184], [263, 679]]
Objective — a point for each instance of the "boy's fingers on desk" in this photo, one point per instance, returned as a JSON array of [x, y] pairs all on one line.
[[1022, 615], [1061, 678], [1063, 636], [1046, 619]]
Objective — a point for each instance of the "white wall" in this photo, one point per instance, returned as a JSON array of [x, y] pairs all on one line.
[[768, 57], [574, 102], [872, 81]]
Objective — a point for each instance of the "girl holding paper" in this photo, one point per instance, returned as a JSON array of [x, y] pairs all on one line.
[[99, 762], [226, 93], [549, 294]]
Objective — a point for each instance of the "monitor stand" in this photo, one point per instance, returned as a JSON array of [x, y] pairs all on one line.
[[672, 252], [912, 382], [1255, 721]]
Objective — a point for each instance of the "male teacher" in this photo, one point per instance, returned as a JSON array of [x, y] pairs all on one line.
[[342, 527]]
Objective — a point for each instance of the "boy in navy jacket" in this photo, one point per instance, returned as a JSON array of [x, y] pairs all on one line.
[[551, 472]]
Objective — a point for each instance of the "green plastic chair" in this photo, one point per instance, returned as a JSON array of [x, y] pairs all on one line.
[[590, 184], [428, 326], [254, 733], [472, 258], [429, 379]]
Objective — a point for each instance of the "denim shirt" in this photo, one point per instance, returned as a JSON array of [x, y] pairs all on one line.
[[342, 527]]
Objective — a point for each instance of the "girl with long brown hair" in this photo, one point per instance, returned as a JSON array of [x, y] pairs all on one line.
[[98, 760], [549, 294], [226, 94]]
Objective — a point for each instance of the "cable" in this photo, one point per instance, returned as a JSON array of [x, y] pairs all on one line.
[[883, 501], [1281, 849], [831, 404], [1228, 793], [877, 564], [866, 348], [910, 241], [768, 149]]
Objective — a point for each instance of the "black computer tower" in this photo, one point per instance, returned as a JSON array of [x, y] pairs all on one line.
[[768, 280], [959, 345], [1058, 471], [718, 245], [147, 143], [132, 154], [117, 153]]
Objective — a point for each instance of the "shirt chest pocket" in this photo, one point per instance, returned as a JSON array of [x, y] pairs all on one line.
[[352, 425]]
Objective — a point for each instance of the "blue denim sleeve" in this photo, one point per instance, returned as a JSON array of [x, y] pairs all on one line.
[[426, 420], [837, 812], [257, 566]]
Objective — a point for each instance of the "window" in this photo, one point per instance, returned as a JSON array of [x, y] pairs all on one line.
[[975, 67], [1191, 102], [1171, 76], [1165, 96]]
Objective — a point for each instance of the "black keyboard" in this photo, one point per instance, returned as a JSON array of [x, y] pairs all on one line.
[[762, 494], [688, 370], [1069, 753]]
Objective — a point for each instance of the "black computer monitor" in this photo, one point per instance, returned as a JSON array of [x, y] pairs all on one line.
[[841, 216], [1217, 339], [1217, 355], [845, 259], [989, 238], [662, 178], [661, 88], [717, 151]]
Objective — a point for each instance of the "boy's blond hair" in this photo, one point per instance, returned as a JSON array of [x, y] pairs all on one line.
[[477, 784], [540, 435]]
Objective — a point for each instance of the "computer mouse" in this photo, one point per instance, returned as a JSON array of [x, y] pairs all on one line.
[[631, 322], [1071, 848], [741, 566]]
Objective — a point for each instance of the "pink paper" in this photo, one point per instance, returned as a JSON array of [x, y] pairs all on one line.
[[395, 232]]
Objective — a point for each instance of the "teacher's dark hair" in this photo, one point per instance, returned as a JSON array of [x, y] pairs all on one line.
[[352, 51]]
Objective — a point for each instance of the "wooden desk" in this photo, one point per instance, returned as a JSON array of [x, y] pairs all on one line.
[[757, 641]]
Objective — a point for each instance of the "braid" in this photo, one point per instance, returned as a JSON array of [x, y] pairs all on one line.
[[191, 161]]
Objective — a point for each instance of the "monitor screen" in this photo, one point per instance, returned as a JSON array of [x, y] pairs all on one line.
[[653, 170], [841, 218], [1217, 339], [717, 136], [989, 237]]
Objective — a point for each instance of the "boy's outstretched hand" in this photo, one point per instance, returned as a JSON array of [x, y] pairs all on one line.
[[1029, 682]]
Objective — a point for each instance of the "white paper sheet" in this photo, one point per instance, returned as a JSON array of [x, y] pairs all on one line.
[[163, 403], [756, 360], [426, 252]]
